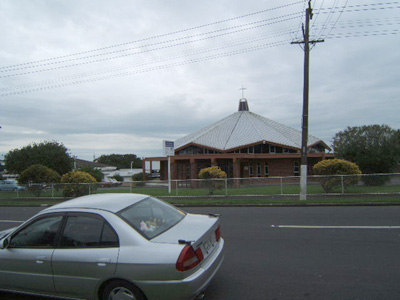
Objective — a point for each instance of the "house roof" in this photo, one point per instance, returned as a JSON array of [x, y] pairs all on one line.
[[245, 128], [80, 163]]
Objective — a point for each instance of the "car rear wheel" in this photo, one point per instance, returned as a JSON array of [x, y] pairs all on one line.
[[122, 290]]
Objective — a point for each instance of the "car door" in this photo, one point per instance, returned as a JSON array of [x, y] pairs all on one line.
[[87, 253], [25, 264]]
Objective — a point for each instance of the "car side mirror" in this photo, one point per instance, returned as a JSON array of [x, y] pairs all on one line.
[[5, 243]]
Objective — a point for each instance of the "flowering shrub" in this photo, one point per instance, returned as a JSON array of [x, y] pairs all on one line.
[[212, 173], [79, 183], [337, 167]]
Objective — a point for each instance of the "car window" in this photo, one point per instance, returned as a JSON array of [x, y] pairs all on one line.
[[40, 233], [88, 231], [151, 217]]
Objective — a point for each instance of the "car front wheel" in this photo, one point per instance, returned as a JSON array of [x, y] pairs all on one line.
[[122, 290]]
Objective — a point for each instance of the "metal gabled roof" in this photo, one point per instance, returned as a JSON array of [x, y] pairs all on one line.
[[245, 128]]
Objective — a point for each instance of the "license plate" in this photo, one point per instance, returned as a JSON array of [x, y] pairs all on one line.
[[209, 246]]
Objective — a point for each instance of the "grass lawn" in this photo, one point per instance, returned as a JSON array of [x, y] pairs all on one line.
[[273, 194]]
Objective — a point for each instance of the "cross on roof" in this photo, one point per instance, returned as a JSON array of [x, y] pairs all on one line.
[[242, 89]]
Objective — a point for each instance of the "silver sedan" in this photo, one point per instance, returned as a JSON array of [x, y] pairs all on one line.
[[112, 246]]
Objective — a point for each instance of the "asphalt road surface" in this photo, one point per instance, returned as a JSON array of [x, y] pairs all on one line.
[[298, 252]]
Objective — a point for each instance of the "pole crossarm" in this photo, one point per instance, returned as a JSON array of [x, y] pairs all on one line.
[[310, 42]]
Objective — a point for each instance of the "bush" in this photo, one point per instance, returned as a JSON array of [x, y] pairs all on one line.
[[96, 173], [139, 178], [212, 173], [78, 183], [336, 167], [118, 178], [37, 176], [375, 180]]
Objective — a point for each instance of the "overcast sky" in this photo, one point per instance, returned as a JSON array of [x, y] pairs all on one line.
[[120, 76]]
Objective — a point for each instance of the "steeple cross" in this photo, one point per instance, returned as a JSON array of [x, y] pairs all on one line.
[[242, 89]]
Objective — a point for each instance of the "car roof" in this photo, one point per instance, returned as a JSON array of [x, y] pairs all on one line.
[[110, 201]]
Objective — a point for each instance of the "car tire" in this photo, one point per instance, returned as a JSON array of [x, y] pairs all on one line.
[[120, 289]]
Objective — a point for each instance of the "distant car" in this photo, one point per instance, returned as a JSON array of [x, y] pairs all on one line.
[[10, 185], [110, 182], [112, 246], [154, 175]]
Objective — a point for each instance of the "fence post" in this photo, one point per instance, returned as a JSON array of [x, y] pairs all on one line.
[[176, 187], [89, 188], [226, 186], [342, 180], [281, 179]]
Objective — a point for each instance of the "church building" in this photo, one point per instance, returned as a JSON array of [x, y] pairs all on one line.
[[244, 145]]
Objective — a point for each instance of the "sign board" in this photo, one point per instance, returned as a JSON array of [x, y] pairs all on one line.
[[168, 148]]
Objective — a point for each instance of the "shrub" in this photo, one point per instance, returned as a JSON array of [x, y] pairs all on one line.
[[139, 178], [96, 173], [78, 183], [37, 176], [212, 173], [336, 167], [118, 178], [375, 180]]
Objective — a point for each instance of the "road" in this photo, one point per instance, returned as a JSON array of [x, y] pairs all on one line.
[[299, 252]]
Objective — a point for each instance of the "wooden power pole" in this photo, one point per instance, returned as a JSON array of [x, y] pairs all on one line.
[[304, 139]]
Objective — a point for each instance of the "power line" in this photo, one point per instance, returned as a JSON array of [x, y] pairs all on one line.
[[363, 7], [149, 69], [210, 51], [155, 37], [324, 27], [189, 40], [364, 34], [196, 51], [227, 31]]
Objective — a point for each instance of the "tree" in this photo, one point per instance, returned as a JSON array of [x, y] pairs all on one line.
[[336, 167], [96, 173], [374, 148], [121, 161], [78, 183], [53, 155], [212, 173], [37, 176]]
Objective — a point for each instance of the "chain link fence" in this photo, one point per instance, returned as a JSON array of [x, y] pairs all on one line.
[[317, 185]]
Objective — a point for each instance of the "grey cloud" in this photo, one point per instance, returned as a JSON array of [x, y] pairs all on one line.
[[354, 80]]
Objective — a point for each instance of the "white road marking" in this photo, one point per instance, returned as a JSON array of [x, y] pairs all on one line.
[[334, 227]]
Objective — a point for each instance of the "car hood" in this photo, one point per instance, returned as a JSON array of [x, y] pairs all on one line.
[[192, 228]]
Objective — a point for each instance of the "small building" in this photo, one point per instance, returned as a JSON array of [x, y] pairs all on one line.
[[243, 144], [105, 169], [108, 171], [125, 174]]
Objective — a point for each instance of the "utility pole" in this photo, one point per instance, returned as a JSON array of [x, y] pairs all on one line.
[[306, 42]]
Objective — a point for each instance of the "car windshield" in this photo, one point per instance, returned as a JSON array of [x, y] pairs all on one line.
[[151, 217]]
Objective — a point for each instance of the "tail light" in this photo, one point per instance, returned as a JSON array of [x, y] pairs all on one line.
[[189, 258], [218, 233]]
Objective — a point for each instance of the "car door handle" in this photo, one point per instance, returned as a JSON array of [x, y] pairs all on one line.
[[102, 262], [41, 259]]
